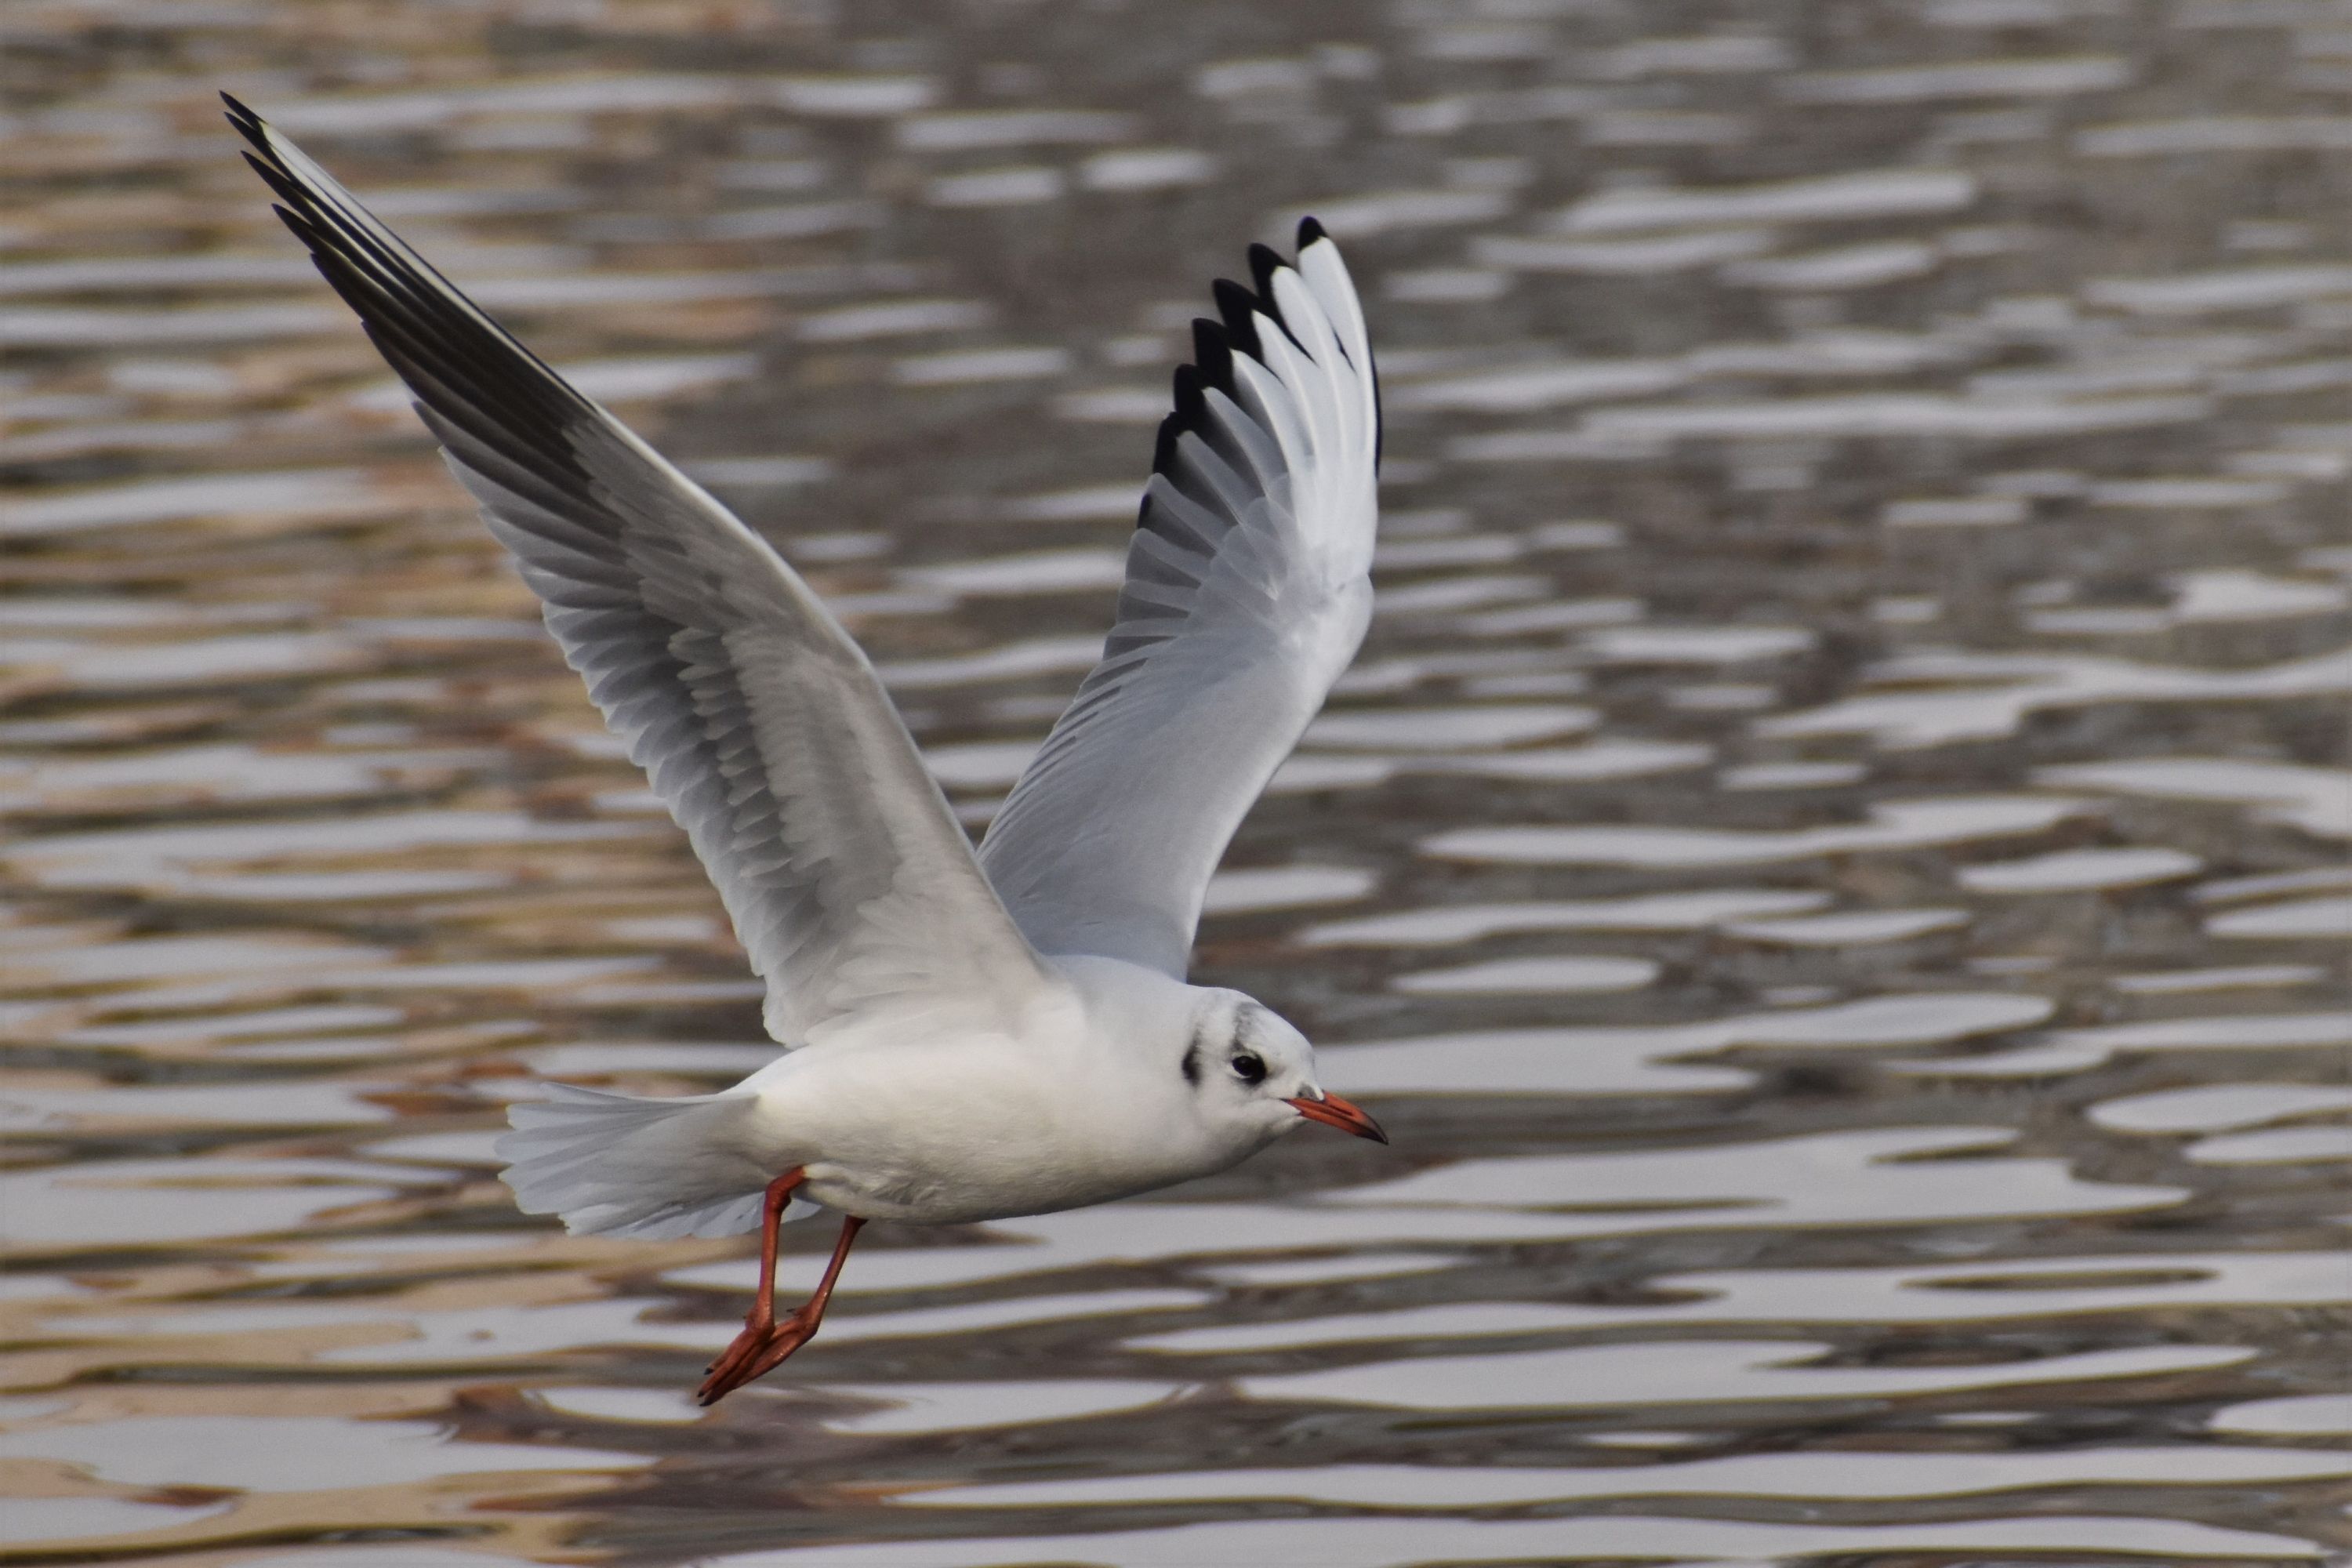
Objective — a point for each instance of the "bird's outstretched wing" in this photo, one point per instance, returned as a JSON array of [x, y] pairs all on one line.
[[1247, 592], [759, 721]]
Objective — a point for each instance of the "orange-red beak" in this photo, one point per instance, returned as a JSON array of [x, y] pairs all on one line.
[[1333, 1111]]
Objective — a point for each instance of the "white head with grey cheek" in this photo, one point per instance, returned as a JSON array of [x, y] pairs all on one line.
[[1248, 1067]]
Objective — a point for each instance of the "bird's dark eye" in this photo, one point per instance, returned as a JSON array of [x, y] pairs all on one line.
[[1249, 1069]]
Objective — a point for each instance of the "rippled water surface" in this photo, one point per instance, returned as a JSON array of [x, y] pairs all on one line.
[[1832, 864]]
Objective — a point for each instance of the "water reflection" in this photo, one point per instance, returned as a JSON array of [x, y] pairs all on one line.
[[1831, 864], [1345, 1543]]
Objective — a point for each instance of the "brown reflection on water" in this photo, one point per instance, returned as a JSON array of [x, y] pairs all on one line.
[[1832, 865]]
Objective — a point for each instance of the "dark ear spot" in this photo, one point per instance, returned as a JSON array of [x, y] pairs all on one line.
[[1192, 1062]]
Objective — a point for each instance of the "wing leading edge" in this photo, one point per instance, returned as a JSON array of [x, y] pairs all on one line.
[[757, 718]]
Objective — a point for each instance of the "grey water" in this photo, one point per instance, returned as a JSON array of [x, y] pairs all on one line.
[[1832, 864]]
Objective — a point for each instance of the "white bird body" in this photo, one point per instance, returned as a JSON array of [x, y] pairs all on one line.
[[975, 1127], [1086, 1100], [969, 1034]]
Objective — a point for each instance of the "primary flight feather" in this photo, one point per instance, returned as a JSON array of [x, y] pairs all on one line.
[[968, 1035]]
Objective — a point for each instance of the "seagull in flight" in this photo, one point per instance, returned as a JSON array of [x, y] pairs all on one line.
[[969, 1034]]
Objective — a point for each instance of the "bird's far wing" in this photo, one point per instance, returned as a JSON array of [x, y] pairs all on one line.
[[759, 721], [1247, 591]]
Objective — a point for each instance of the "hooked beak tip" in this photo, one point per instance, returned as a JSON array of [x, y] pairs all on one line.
[[1345, 1115]]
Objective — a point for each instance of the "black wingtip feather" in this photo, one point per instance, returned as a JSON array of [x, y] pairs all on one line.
[[1191, 407], [1163, 451], [1213, 355], [1265, 262], [248, 125], [1234, 304], [285, 189], [471, 372], [1214, 344]]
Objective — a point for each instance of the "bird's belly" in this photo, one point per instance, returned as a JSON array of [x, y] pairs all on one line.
[[964, 1162], [924, 1187]]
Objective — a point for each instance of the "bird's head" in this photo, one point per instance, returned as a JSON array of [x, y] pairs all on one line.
[[1246, 1064]]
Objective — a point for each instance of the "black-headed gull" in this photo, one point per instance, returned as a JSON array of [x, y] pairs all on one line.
[[969, 1036]]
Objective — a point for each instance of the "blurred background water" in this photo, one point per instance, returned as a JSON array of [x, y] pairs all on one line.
[[1832, 865]]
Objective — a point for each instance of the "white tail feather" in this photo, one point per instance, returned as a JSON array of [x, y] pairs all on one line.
[[615, 1164]]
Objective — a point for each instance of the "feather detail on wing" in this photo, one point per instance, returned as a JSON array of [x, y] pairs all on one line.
[[758, 720], [1247, 591]]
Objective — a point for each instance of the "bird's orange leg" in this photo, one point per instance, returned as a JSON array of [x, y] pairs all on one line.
[[762, 1318], [797, 1328], [766, 1341]]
